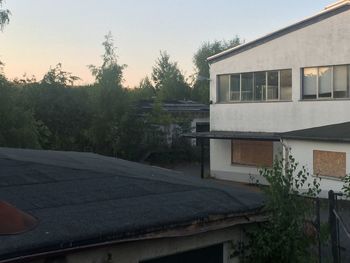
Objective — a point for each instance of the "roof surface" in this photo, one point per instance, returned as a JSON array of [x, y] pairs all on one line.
[[267, 136], [173, 106], [84, 198], [330, 11], [332, 133]]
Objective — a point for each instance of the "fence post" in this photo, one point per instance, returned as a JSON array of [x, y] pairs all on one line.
[[318, 223], [333, 227]]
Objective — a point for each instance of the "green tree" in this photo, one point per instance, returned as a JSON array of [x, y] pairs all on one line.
[[200, 91], [58, 76], [18, 127], [169, 82], [110, 73], [145, 90], [283, 238], [109, 100], [4, 16]]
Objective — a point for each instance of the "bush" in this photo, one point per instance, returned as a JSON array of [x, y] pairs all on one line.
[[285, 237]]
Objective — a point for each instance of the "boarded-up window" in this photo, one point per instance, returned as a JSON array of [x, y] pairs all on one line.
[[330, 163], [255, 153]]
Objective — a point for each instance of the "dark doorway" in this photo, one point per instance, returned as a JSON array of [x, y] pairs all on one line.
[[212, 254]]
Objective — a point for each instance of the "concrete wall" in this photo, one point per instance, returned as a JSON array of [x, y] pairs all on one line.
[[134, 252], [302, 151], [323, 43]]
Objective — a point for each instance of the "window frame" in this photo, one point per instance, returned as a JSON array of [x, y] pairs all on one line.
[[318, 83], [265, 99]]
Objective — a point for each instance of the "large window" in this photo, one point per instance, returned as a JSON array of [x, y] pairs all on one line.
[[255, 86], [253, 153], [331, 82]]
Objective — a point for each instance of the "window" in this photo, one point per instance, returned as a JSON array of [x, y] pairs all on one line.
[[286, 84], [310, 83], [272, 85], [332, 164], [331, 82], [247, 82], [255, 86], [254, 153], [260, 86], [235, 87], [224, 87]]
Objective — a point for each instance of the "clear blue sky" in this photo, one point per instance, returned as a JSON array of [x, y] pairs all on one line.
[[44, 32]]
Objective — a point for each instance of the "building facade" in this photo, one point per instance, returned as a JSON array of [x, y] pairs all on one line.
[[292, 79]]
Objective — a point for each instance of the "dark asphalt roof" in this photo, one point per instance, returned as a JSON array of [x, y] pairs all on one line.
[[299, 25], [85, 198], [332, 133], [264, 136], [175, 106]]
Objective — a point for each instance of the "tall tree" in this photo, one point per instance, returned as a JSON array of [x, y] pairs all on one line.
[[168, 80], [4, 16], [109, 100], [110, 73], [200, 91]]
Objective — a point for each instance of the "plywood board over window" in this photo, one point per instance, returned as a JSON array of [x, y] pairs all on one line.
[[332, 164], [254, 153]]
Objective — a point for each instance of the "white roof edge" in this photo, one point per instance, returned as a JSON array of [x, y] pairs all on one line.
[[327, 9]]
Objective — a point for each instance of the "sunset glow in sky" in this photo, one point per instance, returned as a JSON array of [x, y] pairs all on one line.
[[43, 33]]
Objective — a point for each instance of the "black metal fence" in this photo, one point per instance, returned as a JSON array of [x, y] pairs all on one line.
[[339, 216]]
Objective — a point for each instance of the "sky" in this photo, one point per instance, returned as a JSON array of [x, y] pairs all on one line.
[[43, 33]]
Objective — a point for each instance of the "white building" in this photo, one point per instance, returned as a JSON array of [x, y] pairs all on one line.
[[295, 78]]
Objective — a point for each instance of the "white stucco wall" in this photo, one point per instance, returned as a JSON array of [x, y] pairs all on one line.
[[322, 43], [302, 151]]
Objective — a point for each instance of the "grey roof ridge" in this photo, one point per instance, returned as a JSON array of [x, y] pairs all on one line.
[[280, 32]]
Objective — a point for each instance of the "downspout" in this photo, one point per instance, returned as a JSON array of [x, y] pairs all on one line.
[[286, 155]]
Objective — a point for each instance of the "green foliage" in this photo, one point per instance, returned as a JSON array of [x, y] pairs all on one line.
[[145, 90], [57, 76], [110, 73], [200, 91], [169, 82], [346, 186], [284, 237], [4, 16], [18, 127]]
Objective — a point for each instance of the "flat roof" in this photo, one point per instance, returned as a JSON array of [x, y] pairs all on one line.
[[263, 136], [85, 199], [339, 132], [331, 11]]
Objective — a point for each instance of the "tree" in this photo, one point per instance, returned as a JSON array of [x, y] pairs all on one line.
[[200, 91], [145, 90], [110, 73], [58, 76], [18, 127], [283, 237], [169, 82], [4, 16]]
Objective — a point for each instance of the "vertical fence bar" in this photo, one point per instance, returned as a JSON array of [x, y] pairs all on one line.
[[202, 158], [333, 227], [318, 223]]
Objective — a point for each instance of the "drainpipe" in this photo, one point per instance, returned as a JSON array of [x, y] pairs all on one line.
[[286, 155]]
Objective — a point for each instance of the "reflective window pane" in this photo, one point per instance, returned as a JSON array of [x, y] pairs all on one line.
[[260, 86], [235, 87], [272, 88], [340, 85], [325, 82], [286, 84], [310, 83], [224, 88], [247, 87]]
